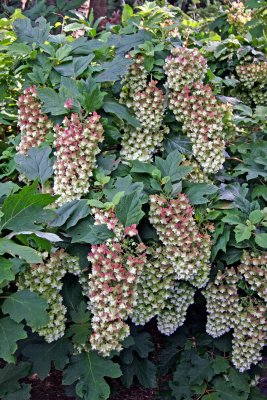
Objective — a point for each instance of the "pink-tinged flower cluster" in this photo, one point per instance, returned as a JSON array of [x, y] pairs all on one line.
[[33, 123], [187, 248], [202, 119], [205, 120], [142, 142], [116, 268], [249, 335], [254, 270], [76, 143], [251, 74], [222, 302], [184, 67]]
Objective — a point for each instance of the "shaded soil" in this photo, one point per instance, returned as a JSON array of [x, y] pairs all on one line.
[[51, 389]]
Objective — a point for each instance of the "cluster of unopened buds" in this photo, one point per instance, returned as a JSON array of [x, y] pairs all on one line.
[[33, 123], [196, 107], [116, 268], [238, 15], [46, 280], [222, 301], [76, 143], [185, 246], [140, 143]]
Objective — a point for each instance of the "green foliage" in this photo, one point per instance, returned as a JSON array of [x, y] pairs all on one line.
[[29, 306], [90, 371], [88, 74]]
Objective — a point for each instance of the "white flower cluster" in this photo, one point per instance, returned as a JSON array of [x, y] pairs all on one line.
[[249, 335], [222, 302], [174, 314], [142, 142], [46, 280], [160, 295], [76, 145], [134, 81], [185, 246], [254, 269], [116, 268], [34, 125], [245, 315], [154, 287]]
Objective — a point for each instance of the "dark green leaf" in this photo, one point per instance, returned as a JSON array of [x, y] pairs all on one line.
[[198, 192], [25, 210], [143, 369], [70, 213], [220, 365], [91, 97], [85, 232], [24, 393], [24, 252], [170, 167], [129, 210], [42, 355], [122, 112], [113, 70], [7, 188], [10, 375], [27, 305], [90, 371], [10, 333], [201, 370], [36, 164], [6, 272], [26, 33], [261, 240]]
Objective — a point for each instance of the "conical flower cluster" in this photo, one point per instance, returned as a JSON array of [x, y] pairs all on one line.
[[140, 143], [154, 286], [46, 280], [116, 267], [222, 302], [134, 81], [34, 125], [185, 246], [174, 314], [254, 270], [249, 334], [160, 295], [76, 145]]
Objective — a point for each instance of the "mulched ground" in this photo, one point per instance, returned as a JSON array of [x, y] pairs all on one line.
[[51, 389]]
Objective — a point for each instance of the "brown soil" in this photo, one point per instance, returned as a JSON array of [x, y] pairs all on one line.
[[51, 389]]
